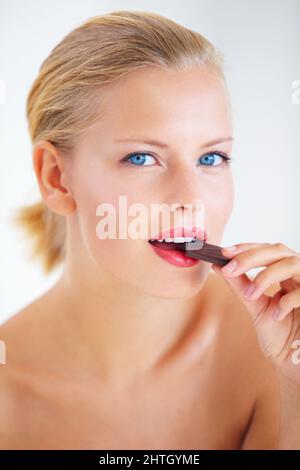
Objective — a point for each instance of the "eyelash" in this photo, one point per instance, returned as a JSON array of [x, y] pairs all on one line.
[[226, 160]]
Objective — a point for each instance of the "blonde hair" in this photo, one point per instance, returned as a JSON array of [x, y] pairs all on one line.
[[65, 97]]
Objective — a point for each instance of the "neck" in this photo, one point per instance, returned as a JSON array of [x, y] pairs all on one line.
[[116, 331]]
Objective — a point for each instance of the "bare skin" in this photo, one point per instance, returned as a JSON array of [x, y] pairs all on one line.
[[128, 350], [213, 389]]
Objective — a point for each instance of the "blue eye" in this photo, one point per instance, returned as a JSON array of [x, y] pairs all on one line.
[[209, 159], [144, 159], [138, 159]]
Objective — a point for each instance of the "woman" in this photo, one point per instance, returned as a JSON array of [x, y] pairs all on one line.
[[132, 348]]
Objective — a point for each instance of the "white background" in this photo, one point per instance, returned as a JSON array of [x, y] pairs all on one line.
[[261, 43]]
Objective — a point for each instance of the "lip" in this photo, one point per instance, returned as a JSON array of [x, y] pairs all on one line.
[[175, 257], [182, 232]]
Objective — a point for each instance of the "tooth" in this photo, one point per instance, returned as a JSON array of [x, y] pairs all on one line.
[[175, 239]]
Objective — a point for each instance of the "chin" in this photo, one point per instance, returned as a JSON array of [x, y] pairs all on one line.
[[177, 288]]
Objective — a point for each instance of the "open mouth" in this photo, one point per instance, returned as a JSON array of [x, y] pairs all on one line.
[[175, 243], [174, 250]]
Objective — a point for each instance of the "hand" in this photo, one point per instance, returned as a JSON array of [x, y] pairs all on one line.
[[277, 317]]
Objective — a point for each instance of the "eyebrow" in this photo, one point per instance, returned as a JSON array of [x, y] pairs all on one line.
[[156, 143]]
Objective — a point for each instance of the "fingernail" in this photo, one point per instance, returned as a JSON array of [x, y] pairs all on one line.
[[276, 314], [230, 248], [249, 291], [230, 267]]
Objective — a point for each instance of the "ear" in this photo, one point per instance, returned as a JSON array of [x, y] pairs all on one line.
[[51, 176]]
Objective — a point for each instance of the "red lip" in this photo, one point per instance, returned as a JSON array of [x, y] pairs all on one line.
[[182, 232], [175, 257]]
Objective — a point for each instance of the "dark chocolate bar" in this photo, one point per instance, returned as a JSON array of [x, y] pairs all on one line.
[[199, 249], [206, 252]]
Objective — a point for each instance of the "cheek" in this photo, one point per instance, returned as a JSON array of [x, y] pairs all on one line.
[[96, 190], [219, 202], [95, 185]]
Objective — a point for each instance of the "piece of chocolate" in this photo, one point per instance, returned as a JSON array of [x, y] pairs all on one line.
[[198, 249], [206, 252]]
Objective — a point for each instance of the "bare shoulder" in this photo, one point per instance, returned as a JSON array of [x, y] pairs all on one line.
[[17, 407], [8, 406], [17, 334], [22, 331]]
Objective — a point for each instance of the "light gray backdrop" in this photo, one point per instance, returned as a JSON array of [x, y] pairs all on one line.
[[261, 43]]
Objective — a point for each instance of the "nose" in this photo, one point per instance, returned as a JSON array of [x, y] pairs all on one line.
[[186, 195], [185, 187]]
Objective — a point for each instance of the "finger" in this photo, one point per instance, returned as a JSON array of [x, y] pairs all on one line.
[[276, 272], [287, 303], [262, 313], [256, 257], [240, 247], [239, 285]]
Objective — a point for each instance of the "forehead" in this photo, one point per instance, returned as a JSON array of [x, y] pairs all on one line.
[[159, 102]]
